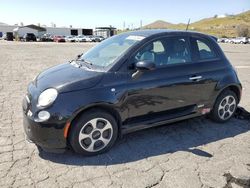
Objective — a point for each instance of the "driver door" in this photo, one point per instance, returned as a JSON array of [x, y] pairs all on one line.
[[167, 87]]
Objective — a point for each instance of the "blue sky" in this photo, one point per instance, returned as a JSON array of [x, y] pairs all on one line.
[[89, 14]]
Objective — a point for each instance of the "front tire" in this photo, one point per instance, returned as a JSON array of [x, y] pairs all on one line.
[[225, 106], [94, 133]]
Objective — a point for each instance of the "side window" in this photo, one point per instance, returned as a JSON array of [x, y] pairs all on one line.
[[151, 52], [158, 47], [178, 50], [204, 51], [169, 50]]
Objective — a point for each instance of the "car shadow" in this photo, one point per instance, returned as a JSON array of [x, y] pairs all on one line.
[[183, 136]]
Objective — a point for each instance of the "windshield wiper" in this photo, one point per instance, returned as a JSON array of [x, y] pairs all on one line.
[[87, 63], [75, 63]]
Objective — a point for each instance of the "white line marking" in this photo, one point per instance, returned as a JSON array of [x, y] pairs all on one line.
[[242, 66]]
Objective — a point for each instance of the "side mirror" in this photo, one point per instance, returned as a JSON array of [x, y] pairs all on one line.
[[145, 65], [141, 67]]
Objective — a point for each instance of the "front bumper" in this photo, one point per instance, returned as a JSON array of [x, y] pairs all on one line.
[[48, 135]]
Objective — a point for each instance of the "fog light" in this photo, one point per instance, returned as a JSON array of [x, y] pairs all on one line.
[[43, 115]]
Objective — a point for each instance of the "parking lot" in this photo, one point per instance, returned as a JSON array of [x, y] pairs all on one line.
[[192, 153]]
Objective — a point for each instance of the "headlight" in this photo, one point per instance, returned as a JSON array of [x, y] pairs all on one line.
[[47, 97]]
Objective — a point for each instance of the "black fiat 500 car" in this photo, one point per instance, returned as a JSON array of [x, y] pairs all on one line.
[[129, 82]]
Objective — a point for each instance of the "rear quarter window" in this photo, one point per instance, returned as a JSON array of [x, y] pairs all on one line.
[[204, 49]]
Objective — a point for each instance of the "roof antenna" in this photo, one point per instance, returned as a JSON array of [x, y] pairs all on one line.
[[188, 24]]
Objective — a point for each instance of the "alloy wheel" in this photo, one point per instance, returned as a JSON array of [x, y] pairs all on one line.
[[95, 134], [227, 107]]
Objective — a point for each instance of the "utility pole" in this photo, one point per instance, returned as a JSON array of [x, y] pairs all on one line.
[[141, 24], [124, 25]]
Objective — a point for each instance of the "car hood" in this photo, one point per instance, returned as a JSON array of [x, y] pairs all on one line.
[[67, 77]]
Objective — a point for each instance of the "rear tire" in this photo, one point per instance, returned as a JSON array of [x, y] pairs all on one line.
[[224, 107], [94, 133]]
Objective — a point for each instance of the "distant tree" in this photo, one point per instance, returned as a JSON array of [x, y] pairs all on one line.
[[242, 31], [215, 16]]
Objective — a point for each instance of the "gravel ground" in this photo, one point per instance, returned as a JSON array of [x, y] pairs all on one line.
[[192, 153]]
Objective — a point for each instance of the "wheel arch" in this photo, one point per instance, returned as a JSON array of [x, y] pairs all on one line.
[[104, 107], [233, 87], [236, 90], [229, 81]]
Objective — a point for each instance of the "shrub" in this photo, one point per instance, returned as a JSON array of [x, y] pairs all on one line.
[[242, 31]]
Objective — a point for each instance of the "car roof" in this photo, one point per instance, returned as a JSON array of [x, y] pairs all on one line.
[[153, 32]]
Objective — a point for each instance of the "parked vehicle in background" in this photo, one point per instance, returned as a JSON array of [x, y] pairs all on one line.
[[131, 81], [97, 38], [240, 40], [29, 37], [8, 36], [70, 39], [4, 37], [83, 38], [227, 40], [45, 38], [88, 38], [222, 40], [100, 38], [92, 37], [80, 38], [58, 38]]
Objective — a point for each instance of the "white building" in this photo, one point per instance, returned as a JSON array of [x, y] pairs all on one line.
[[37, 30], [105, 31], [21, 31], [4, 28], [222, 16]]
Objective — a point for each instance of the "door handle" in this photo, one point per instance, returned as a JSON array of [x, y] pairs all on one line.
[[193, 78]]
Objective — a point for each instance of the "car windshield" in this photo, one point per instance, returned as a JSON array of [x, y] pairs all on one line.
[[108, 51]]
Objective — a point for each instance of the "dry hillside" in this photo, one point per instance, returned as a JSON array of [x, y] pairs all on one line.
[[216, 26]]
